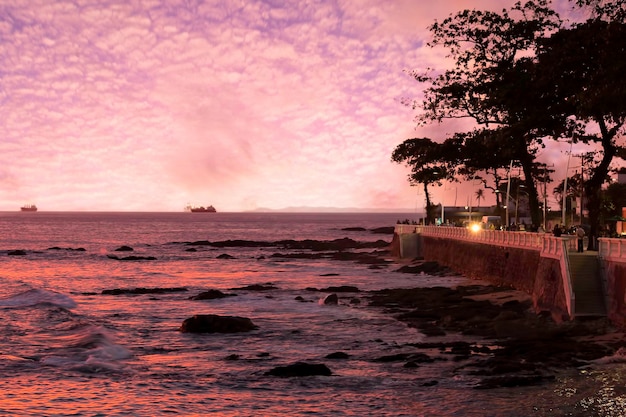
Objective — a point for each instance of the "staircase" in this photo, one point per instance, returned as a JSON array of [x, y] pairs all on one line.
[[587, 284]]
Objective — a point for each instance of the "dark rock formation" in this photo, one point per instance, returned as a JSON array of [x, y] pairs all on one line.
[[387, 230], [17, 252], [331, 299], [338, 355], [257, 287], [341, 288], [525, 348], [300, 369], [132, 258], [212, 323], [124, 249], [137, 291], [211, 295], [225, 256]]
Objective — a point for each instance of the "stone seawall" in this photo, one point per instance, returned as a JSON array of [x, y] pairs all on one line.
[[616, 290], [522, 269]]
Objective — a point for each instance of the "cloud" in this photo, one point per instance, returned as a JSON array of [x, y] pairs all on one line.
[[114, 105]]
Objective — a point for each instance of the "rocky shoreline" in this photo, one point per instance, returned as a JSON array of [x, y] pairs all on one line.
[[512, 345]]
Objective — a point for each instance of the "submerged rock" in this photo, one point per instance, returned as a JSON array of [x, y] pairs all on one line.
[[212, 323], [300, 369], [124, 249], [211, 295], [257, 287], [341, 288], [135, 291], [331, 299], [18, 252]]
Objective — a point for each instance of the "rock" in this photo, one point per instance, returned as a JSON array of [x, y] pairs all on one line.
[[17, 252], [210, 295], [354, 229], [257, 287], [300, 369], [124, 249], [225, 256], [342, 288], [212, 323], [386, 230], [331, 299], [337, 355], [132, 258], [141, 290]]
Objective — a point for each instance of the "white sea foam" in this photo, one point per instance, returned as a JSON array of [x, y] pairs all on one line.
[[35, 297]]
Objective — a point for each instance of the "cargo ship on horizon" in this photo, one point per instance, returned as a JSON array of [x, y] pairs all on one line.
[[201, 209], [28, 207]]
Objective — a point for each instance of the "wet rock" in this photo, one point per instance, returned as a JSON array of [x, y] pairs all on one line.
[[124, 249], [354, 229], [338, 355], [212, 323], [416, 357], [426, 267], [200, 243], [211, 295], [387, 230], [513, 381], [132, 258], [18, 252], [225, 256], [299, 369], [331, 299], [68, 249], [341, 288], [140, 290], [257, 287]]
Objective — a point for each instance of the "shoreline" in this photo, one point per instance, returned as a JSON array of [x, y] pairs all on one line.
[[514, 345]]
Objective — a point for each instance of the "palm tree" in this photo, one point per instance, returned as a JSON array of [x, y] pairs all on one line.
[[480, 195]]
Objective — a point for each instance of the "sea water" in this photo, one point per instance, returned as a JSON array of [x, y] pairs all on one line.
[[67, 349]]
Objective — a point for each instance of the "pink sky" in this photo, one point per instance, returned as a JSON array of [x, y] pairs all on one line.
[[150, 105]]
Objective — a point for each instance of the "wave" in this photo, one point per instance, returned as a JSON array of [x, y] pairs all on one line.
[[89, 349], [35, 297]]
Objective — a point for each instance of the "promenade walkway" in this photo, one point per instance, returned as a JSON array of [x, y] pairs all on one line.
[[586, 279]]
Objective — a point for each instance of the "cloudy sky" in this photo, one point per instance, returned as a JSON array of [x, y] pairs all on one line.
[[149, 105]]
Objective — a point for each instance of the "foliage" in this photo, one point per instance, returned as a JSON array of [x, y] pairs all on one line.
[[430, 162]]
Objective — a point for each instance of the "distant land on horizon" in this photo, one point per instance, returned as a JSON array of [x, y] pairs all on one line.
[[335, 210]]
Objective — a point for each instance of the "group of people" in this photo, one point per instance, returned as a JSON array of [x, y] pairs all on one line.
[[578, 231]]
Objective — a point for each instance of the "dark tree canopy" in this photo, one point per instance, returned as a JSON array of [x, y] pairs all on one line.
[[524, 79]]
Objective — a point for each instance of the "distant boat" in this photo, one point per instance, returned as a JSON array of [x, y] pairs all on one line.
[[29, 207], [201, 209]]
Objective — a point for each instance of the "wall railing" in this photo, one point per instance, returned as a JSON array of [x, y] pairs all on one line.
[[550, 246], [612, 249], [494, 237]]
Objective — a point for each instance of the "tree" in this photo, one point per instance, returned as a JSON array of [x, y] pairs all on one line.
[[480, 195], [581, 70], [427, 160], [490, 80]]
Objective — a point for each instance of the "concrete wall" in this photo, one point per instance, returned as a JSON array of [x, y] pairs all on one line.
[[522, 269], [616, 292]]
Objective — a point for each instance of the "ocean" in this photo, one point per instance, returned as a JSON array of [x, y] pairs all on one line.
[[68, 349]]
